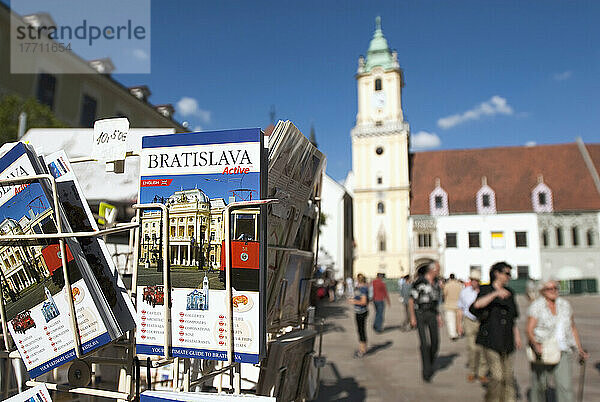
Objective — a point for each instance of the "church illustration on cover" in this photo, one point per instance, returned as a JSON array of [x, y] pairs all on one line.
[[49, 309], [197, 299]]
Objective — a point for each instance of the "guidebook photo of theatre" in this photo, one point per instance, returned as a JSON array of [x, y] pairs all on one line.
[[196, 176]]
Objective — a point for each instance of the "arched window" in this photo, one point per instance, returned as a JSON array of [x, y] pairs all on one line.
[[378, 84], [380, 207]]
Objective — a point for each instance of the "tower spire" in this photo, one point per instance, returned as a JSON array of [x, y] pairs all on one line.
[[379, 53]]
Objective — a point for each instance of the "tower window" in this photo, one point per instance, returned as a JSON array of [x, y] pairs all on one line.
[[438, 201], [379, 180], [379, 150], [378, 84], [381, 244], [545, 238], [380, 208], [486, 200], [542, 198], [590, 237], [378, 123]]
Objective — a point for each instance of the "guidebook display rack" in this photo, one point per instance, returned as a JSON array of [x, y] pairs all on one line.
[[82, 369]]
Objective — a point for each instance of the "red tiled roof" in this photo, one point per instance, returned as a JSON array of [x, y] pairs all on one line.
[[512, 172]]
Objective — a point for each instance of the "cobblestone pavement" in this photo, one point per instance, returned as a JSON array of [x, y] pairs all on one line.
[[391, 371]]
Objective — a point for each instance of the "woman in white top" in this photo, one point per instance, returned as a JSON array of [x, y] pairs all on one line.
[[550, 322]]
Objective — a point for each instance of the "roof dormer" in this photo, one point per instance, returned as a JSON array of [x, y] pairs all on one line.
[[541, 197], [485, 198], [438, 200]]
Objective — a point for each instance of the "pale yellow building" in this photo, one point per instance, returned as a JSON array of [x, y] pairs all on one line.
[[379, 179]]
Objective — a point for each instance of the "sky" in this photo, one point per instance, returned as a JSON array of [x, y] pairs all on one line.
[[478, 73]]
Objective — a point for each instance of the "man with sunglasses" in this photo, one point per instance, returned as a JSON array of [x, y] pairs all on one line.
[[497, 311]]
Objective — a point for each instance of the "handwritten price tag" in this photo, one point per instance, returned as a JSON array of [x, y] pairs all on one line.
[[110, 139]]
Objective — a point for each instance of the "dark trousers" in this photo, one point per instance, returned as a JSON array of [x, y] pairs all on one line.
[[429, 336], [379, 310], [360, 325]]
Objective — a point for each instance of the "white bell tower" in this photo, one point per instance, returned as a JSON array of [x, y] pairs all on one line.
[[381, 185]]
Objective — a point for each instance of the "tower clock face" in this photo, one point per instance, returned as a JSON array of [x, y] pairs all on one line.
[[378, 99]]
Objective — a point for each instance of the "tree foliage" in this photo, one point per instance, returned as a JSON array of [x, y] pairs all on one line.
[[38, 115]]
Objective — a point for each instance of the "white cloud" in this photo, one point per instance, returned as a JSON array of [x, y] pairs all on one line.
[[530, 144], [187, 106], [140, 54], [424, 140], [565, 75], [496, 105]]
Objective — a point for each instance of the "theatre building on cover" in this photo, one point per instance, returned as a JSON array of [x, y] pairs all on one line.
[[22, 266], [189, 228]]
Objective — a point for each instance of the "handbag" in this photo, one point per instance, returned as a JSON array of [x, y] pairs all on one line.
[[550, 353]]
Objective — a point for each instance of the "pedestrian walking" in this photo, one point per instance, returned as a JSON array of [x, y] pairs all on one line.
[[405, 289], [451, 294], [553, 337], [360, 300], [380, 297], [469, 326], [496, 309], [424, 314]]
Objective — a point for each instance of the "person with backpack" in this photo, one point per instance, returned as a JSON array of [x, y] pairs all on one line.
[[424, 304]]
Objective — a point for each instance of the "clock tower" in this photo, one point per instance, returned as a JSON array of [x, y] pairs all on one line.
[[380, 180]]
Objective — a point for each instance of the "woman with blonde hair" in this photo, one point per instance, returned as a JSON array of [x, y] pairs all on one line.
[[360, 300], [552, 337]]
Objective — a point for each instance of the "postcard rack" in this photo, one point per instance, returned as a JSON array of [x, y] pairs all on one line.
[[83, 367], [231, 366], [79, 369]]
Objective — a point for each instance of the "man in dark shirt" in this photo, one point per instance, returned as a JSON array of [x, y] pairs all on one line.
[[496, 309], [424, 314]]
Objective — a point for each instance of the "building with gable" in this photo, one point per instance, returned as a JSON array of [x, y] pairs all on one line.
[[535, 207]]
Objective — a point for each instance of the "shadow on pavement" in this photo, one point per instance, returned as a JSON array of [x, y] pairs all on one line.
[[392, 328], [444, 361], [332, 310], [373, 349], [337, 388]]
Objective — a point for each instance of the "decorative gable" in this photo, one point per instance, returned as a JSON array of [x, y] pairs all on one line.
[[485, 198], [438, 200], [541, 197]]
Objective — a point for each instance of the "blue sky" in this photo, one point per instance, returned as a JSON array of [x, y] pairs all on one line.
[[478, 73], [213, 185]]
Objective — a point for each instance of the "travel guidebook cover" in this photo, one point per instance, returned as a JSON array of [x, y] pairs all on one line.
[[31, 275], [196, 175]]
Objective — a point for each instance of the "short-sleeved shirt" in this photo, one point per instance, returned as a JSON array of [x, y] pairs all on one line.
[[466, 298], [359, 292], [426, 296], [549, 325], [496, 321]]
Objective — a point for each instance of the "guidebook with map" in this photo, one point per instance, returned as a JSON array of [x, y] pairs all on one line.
[[196, 176], [32, 287]]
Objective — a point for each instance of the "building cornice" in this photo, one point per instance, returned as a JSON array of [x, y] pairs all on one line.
[[379, 189], [373, 130]]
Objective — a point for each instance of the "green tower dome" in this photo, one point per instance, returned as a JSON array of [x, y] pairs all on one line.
[[379, 53]]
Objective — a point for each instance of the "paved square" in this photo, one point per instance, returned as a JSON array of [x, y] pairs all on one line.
[[391, 371]]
